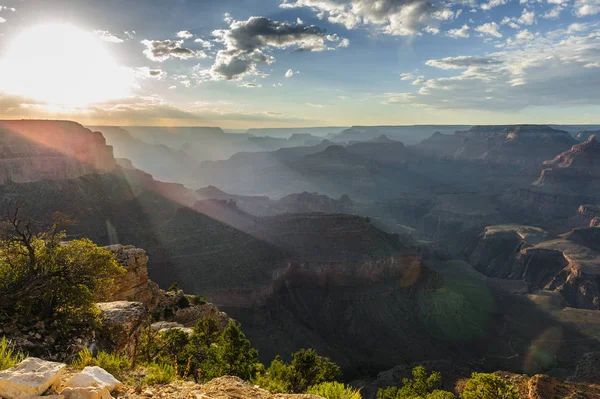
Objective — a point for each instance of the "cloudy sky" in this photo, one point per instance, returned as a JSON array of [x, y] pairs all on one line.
[[249, 63]]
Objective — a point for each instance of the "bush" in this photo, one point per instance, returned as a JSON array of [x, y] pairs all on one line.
[[488, 386], [421, 386], [334, 390], [40, 275], [115, 364], [9, 357], [306, 369], [160, 373], [206, 354]]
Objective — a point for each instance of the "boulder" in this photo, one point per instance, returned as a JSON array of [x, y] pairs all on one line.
[[94, 376], [122, 325], [30, 378], [86, 393]]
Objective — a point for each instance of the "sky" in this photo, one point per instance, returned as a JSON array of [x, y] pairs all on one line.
[[281, 63]]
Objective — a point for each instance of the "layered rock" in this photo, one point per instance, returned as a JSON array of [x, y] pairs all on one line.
[[51, 150], [528, 145], [574, 172], [136, 285], [569, 265]]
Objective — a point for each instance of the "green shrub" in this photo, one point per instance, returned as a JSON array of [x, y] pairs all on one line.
[[306, 369], [9, 357], [115, 364], [334, 390], [84, 358], [488, 386], [208, 353], [421, 386], [160, 373], [40, 275]]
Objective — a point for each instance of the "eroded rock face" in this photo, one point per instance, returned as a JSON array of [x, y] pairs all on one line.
[[51, 150], [576, 171], [31, 377], [568, 265], [135, 286], [499, 245]]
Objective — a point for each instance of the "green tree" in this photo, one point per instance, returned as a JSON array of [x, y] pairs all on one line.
[[207, 353], [41, 275], [306, 369], [421, 386], [488, 386]]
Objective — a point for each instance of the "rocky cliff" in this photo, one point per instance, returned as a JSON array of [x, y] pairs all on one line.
[[526, 145], [569, 264], [51, 150]]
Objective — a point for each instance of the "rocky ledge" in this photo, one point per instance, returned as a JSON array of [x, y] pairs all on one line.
[[37, 379]]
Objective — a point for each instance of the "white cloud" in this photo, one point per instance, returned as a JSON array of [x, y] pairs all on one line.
[[553, 13], [434, 30], [108, 37], [462, 62], [204, 43], [490, 28], [392, 17], [584, 8], [2, 20], [524, 35], [172, 87], [492, 3], [446, 14], [527, 17], [558, 68], [461, 32], [316, 105], [185, 34], [407, 76], [289, 73]]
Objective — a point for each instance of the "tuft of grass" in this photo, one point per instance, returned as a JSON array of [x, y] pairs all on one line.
[[159, 373], [334, 390], [84, 359], [115, 364], [9, 356]]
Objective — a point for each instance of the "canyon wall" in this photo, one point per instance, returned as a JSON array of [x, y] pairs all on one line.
[[50, 150]]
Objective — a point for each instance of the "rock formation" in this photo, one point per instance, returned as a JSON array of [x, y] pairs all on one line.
[[526, 145], [573, 172], [49, 150]]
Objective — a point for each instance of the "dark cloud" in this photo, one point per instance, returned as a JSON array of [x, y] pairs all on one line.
[[245, 42], [161, 50]]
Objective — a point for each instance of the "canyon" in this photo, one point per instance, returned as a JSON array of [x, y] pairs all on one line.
[[467, 246]]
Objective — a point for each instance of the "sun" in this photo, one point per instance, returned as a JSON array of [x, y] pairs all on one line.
[[62, 65]]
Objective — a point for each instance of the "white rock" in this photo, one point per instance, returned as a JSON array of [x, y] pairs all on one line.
[[94, 377], [86, 393], [30, 378]]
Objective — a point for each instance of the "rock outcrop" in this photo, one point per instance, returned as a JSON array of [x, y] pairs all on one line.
[[573, 172], [51, 150], [136, 285], [122, 325], [32, 377]]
